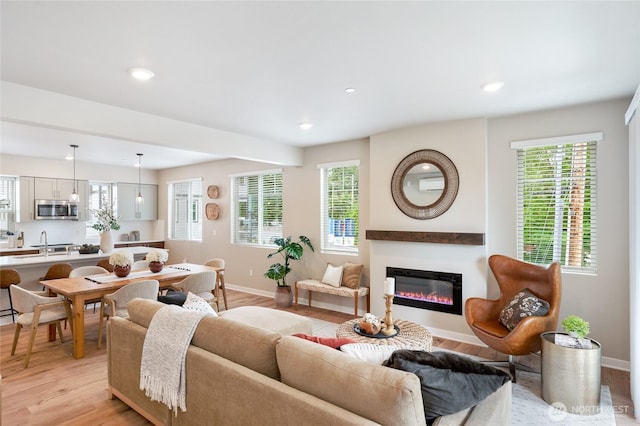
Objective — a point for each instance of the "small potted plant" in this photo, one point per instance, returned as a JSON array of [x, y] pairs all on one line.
[[105, 221], [156, 260], [575, 326], [121, 261], [289, 250]]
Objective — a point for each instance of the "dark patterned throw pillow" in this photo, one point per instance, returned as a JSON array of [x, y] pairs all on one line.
[[524, 304]]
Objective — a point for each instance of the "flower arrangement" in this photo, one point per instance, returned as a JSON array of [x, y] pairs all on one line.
[[105, 219], [157, 256], [121, 258]]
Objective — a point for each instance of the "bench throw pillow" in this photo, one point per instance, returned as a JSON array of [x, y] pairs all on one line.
[[449, 382], [351, 273], [524, 304], [332, 275]]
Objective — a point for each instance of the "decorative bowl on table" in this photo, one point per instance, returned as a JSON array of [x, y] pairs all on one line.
[[88, 249], [370, 324]]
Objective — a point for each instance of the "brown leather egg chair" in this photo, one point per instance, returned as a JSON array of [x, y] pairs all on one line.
[[513, 276]]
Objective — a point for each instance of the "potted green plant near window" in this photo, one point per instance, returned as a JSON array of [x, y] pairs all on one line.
[[289, 250]]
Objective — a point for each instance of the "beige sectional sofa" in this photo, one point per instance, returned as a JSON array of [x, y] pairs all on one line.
[[242, 369]]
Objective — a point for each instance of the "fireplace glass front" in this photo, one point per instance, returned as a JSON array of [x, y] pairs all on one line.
[[432, 290]]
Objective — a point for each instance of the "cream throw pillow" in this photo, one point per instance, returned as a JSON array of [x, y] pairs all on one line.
[[332, 275], [197, 303], [369, 352]]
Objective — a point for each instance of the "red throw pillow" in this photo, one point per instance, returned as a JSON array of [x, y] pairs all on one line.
[[333, 342]]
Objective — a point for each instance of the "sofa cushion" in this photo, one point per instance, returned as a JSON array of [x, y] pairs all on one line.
[[349, 383], [369, 352], [197, 303], [450, 382], [173, 297], [270, 319], [351, 273]]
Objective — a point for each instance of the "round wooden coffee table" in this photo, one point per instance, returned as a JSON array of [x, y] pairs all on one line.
[[410, 335]]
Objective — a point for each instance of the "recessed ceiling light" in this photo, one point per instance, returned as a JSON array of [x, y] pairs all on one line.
[[141, 74], [349, 90], [494, 86], [305, 126]]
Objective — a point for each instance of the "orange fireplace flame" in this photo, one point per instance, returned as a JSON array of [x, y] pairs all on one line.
[[432, 297]]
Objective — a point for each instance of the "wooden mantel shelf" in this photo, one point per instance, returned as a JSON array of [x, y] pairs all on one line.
[[427, 237]]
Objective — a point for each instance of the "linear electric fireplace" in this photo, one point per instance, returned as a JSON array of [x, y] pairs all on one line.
[[436, 291]]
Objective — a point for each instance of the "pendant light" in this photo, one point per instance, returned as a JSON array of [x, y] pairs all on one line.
[[74, 197], [139, 199]]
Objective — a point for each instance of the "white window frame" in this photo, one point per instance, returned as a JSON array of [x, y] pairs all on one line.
[[190, 203], [112, 199], [563, 192], [326, 242], [261, 228]]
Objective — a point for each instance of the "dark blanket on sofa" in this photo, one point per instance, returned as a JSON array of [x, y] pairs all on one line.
[[450, 382]]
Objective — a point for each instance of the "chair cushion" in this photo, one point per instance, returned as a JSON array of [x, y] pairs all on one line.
[[524, 304], [351, 274], [332, 275]]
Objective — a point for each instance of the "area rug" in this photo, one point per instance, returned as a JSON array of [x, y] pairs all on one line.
[[527, 406]]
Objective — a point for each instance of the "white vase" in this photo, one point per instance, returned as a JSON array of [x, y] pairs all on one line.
[[106, 242]]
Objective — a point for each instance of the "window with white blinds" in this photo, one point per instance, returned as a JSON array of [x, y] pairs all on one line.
[[185, 210], [7, 206], [257, 207], [339, 207], [557, 201]]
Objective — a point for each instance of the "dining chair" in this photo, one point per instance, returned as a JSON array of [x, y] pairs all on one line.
[[201, 284], [104, 263], [84, 271], [115, 304], [219, 263], [56, 271], [9, 277], [35, 310], [139, 264]]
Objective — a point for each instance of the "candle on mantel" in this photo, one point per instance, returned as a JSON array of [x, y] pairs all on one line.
[[390, 286]]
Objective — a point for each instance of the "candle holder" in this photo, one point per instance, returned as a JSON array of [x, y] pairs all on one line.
[[389, 329]]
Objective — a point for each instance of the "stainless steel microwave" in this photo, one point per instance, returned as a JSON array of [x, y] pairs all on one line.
[[56, 209]]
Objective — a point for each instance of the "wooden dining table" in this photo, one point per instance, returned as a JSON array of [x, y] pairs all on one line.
[[80, 289]]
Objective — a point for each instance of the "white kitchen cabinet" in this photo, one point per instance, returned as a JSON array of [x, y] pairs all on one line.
[[26, 199], [128, 209], [53, 189]]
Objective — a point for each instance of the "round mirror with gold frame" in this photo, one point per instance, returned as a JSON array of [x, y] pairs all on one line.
[[425, 184]]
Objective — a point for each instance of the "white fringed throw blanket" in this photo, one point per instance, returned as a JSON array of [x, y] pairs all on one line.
[[162, 370]]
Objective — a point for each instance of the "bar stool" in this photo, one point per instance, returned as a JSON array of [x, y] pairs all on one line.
[[8, 277], [219, 263]]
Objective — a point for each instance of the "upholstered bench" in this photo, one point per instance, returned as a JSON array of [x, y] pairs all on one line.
[[315, 285]]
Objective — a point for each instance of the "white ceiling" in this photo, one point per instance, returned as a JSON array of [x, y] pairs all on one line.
[[260, 68]]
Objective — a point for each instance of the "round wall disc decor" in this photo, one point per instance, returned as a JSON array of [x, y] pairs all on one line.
[[425, 184], [212, 211], [212, 191]]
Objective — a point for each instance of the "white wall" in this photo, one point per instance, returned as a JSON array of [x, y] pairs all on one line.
[[464, 142], [245, 266], [601, 299]]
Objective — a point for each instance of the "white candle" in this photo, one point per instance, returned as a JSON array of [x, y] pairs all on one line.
[[390, 286]]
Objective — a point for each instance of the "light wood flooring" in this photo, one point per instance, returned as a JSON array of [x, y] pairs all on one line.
[[59, 390]]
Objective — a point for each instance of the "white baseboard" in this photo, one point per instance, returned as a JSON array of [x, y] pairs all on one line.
[[608, 362]]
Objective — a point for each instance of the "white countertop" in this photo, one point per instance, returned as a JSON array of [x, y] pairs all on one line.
[[32, 259]]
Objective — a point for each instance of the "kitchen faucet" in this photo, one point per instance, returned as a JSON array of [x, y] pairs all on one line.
[[46, 243]]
